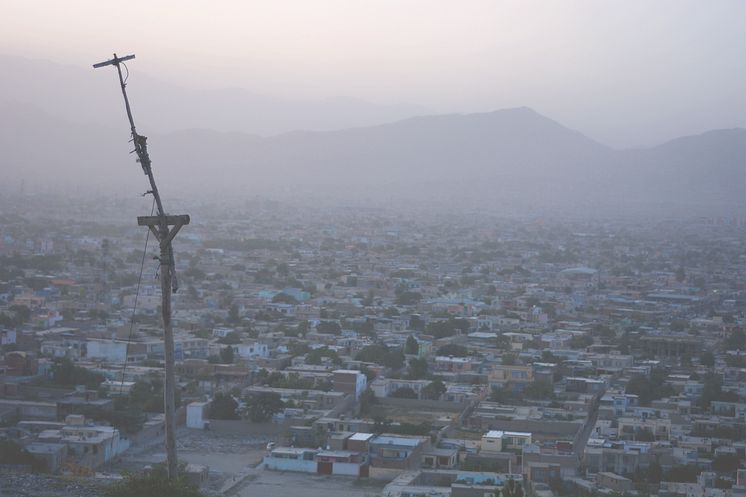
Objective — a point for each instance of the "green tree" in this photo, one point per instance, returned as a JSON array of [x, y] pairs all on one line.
[[404, 393], [297, 348], [232, 338], [284, 298], [649, 388], [380, 354], [303, 327], [735, 361], [96, 314], [329, 327], [502, 395], [12, 453], [417, 369], [367, 401], [370, 375], [276, 379], [581, 342], [22, 313], [678, 325], [316, 356], [654, 473], [126, 417], [450, 327], [453, 349], [509, 359], [512, 489], [233, 315], [547, 356], [148, 396], [367, 301], [539, 390], [260, 407], [736, 341], [223, 406], [368, 328], [683, 474], [416, 322], [65, 373], [412, 346], [434, 390], [707, 358], [408, 298], [227, 355], [644, 435], [713, 390]]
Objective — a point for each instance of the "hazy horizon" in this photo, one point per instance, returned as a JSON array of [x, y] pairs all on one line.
[[624, 73], [574, 107]]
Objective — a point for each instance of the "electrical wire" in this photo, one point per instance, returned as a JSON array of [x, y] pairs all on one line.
[[134, 306]]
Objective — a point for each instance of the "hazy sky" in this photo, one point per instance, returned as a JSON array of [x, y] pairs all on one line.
[[625, 72]]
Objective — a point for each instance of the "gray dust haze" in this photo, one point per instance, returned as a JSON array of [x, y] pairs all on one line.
[[489, 103]]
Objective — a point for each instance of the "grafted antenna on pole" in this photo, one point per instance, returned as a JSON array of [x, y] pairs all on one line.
[[165, 228]]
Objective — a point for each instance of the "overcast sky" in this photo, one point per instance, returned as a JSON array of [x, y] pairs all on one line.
[[624, 72]]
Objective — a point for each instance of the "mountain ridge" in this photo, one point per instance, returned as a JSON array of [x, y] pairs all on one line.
[[84, 95], [511, 155]]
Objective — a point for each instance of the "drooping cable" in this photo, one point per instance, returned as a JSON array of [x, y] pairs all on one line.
[[134, 306]]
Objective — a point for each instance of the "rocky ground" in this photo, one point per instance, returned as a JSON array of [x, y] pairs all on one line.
[[229, 457], [213, 442], [22, 485]]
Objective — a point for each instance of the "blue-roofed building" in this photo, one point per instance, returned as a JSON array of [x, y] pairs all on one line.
[[392, 451]]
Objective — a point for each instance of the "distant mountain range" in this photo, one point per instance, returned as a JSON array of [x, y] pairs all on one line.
[[85, 95], [512, 158]]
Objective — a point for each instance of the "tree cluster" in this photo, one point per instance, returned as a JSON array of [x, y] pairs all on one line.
[[223, 406], [650, 388], [447, 328], [260, 407], [381, 354], [66, 373]]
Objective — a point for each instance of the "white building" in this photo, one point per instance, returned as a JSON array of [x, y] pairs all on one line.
[[197, 415], [495, 441], [251, 350], [7, 337], [107, 350], [384, 387]]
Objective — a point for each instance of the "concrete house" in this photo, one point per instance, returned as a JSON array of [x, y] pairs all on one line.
[[396, 452]]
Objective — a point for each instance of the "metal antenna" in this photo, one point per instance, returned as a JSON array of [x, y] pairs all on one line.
[[164, 228]]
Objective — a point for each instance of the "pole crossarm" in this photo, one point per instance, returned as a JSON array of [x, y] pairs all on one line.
[[178, 220], [157, 225], [114, 62]]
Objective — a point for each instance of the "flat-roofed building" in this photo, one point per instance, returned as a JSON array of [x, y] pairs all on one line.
[[397, 452], [614, 482], [495, 441], [349, 381]]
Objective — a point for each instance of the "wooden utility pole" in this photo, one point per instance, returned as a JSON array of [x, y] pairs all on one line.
[[164, 228]]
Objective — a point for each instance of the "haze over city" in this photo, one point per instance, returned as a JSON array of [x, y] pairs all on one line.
[[624, 74]]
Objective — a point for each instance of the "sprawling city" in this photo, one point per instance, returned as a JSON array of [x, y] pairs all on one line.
[[363, 352]]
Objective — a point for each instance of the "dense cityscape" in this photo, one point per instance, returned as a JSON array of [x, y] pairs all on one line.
[[373, 351]]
